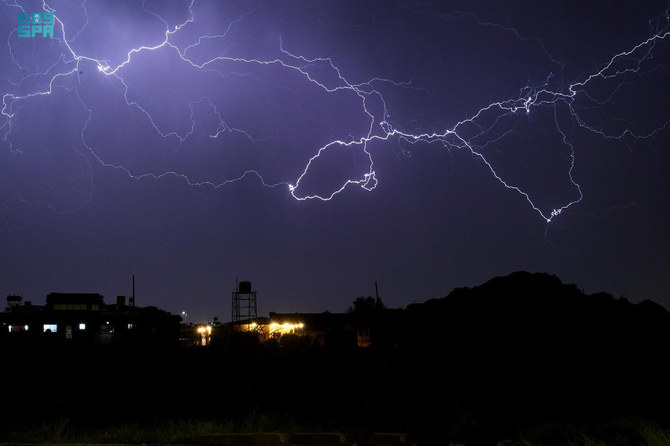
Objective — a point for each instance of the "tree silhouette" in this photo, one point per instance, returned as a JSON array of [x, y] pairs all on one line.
[[366, 305]]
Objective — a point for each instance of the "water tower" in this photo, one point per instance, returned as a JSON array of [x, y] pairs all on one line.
[[244, 304]]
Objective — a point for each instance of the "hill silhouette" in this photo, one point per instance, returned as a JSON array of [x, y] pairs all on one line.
[[537, 310], [526, 348]]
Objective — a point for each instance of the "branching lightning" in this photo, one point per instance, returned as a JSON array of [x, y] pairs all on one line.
[[378, 127]]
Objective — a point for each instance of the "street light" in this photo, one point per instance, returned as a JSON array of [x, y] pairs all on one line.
[[184, 315]]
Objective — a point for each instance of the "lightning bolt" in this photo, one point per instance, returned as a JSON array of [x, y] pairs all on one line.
[[475, 133]]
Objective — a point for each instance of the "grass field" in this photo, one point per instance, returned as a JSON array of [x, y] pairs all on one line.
[[625, 432]]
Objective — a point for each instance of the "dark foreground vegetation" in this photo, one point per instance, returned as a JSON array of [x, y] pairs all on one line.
[[523, 358]]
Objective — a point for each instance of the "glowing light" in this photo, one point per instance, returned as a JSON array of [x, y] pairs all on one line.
[[205, 331], [285, 327]]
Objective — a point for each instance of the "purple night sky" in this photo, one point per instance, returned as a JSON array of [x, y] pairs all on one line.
[[315, 147]]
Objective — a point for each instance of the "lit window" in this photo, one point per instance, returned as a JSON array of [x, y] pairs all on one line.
[[53, 328], [82, 326], [130, 326]]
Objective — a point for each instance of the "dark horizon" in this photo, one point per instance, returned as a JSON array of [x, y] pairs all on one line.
[[520, 357], [191, 320]]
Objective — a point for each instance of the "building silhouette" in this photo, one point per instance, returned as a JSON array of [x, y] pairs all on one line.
[[85, 318]]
